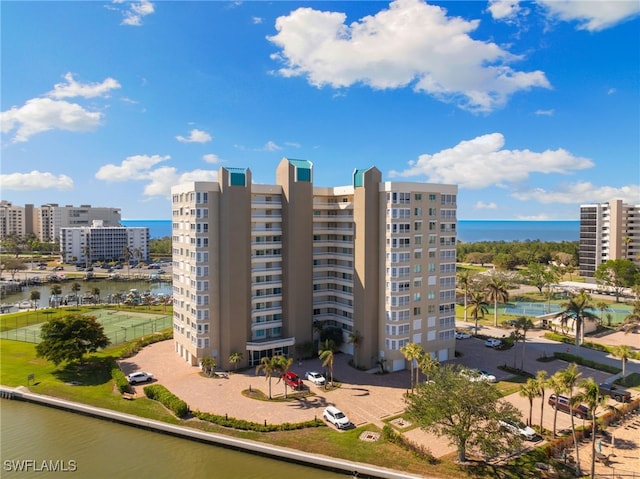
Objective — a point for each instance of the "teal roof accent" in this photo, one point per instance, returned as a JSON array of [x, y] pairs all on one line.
[[358, 177], [237, 176], [303, 170]]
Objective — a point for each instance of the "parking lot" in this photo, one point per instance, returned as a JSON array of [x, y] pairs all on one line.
[[365, 397]]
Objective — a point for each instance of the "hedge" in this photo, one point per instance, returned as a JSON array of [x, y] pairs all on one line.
[[572, 358], [244, 425], [122, 383], [169, 400], [136, 346]]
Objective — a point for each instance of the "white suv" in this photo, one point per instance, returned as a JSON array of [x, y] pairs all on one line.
[[139, 377], [336, 417]]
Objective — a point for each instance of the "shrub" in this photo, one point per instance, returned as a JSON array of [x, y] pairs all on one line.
[[140, 343], [390, 435], [122, 383], [244, 425], [159, 393]]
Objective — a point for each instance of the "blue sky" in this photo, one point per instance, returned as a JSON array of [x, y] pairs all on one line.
[[532, 108]]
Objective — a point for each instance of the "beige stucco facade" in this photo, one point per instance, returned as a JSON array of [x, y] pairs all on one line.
[[258, 267]]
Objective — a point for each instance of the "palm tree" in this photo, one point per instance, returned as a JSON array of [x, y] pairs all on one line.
[[591, 396], [412, 352], [234, 359], [529, 390], [464, 281], [541, 379], [631, 322], [56, 291], [426, 364], [623, 352], [570, 376], [577, 309], [76, 287], [497, 292], [478, 306], [96, 292], [126, 254], [208, 365], [525, 324], [602, 306], [355, 338], [270, 367], [34, 296], [283, 366], [557, 385], [326, 354]]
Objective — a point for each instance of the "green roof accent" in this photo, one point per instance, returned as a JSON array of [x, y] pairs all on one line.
[[303, 170], [237, 176]]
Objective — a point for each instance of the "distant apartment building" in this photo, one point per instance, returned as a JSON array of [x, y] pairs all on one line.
[[50, 218], [46, 221], [98, 242], [608, 231], [256, 268], [14, 220]]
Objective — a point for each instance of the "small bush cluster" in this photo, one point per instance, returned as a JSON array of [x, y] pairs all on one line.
[[169, 400], [122, 383], [572, 358], [137, 345], [390, 435], [234, 423]]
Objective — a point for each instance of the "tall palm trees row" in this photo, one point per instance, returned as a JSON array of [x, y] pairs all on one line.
[[566, 381], [419, 360], [478, 292]]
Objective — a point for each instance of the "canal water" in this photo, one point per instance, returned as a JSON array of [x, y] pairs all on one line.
[[106, 287], [39, 439]]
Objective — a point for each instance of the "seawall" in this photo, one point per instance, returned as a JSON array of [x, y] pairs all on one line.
[[309, 459]]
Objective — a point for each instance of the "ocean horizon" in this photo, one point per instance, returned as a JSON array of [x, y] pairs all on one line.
[[469, 231]]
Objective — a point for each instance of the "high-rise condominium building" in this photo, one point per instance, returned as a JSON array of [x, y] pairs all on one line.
[[51, 217], [86, 244], [608, 231], [257, 268]]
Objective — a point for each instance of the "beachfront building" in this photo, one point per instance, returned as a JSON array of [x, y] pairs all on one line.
[[99, 242], [608, 231], [15, 220], [49, 219], [259, 269]]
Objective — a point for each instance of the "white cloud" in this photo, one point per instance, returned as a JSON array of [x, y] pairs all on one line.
[[256, 20], [503, 9], [592, 15], [164, 178], [195, 136], [136, 12], [582, 192], [86, 90], [137, 167], [481, 205], [36, 180], [409, 44], [270, 146], [611, 91], [549, 112], [43, 114], [482, 162], [212, 158]]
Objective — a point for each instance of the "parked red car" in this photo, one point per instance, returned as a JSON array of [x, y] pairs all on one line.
[[293, 380]]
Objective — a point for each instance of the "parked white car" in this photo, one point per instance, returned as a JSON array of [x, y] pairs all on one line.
[[519, 429], [474, 375], [492, 343], [336, 417], [315, 377], [462, 335], [139, 377]]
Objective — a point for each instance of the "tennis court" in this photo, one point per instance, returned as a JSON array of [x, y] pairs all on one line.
[[519, 308], [119, 326]]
